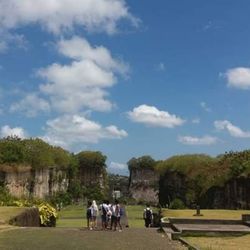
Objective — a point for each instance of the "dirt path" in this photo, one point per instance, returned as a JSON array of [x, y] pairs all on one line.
[[75, 238]]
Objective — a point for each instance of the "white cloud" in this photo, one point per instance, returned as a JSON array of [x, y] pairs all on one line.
[[58, 16], [205, 140], [3, 46], [151, 116], [232, 129], [118, 166], [31, 105], [196, 121], [205, 107], [8, 131], [8, 39], [238, 77], [79, 85], [79, 49], [69, 130]]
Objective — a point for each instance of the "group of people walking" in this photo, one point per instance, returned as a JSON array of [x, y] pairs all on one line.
[[110, 215]]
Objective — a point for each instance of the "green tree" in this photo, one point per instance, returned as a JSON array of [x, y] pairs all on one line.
[[143, 162]]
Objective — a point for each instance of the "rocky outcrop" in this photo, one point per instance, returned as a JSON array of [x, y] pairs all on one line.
[[26, 182], [171, 186], [28, 218], [92, 177], [234, 194], [144, 185]]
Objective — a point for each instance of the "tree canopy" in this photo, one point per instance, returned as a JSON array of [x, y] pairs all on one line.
[[143, 162], [33, 152]]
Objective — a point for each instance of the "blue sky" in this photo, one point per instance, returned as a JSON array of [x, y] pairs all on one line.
[[125, 77]]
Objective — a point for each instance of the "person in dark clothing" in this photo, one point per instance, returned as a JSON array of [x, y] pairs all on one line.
[[89, 214], [148, 216]]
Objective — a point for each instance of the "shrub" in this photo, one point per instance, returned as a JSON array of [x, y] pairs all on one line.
[[6, 199], [177, 204], [47, 214], [61, 199]]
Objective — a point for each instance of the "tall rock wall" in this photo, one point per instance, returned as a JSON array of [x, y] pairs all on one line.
[[234, 194], [92, 177], [41, 183], [172, 185], [143, 185]]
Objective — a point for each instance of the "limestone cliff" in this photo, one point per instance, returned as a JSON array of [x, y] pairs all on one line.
[[234, 194], [92, 177], [143, 185], [25, 182]]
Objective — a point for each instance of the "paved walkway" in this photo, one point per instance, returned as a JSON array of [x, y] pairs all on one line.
[[75, 238]]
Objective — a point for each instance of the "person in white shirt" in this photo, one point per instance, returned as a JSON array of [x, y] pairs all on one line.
[[117, 209], [94, 214]]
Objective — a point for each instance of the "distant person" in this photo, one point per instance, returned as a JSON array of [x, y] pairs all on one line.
[[89, 215], [148, 216], [109, 213], [94, 214], [118, 213], [104, 210]]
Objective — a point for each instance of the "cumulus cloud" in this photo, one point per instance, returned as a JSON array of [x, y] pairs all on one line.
[[68, 130], [205, 140], [58, 16], [238, 77], [31, 105], [8, 131], [231, 129], [8, 39], [79, 49], [151, 116], [79, 85]]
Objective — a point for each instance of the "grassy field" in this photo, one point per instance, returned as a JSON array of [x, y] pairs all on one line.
[[8, 212], [207, 214], [221, 243]]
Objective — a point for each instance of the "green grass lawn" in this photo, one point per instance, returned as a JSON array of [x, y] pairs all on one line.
[[6, 213], [207, 214], [221, 243]]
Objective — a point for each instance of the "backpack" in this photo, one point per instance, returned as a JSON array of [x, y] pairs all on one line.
[[104, 211], [121, 211], [89, 212], [148, 214]]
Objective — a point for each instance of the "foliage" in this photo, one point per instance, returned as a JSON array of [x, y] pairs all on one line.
[[11, 150], [177, 204], [47, 214], [238, 163], [93, 193], [143, 162], [5, 197], [32, 152], [118, 182], [197, 172], [61, 199], [91, 159]]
